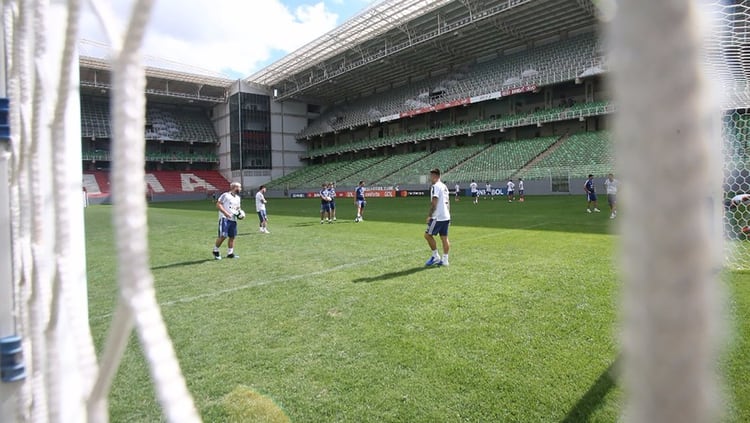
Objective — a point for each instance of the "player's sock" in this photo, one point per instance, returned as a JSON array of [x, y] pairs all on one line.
[[445, 258], [216, 249], [230, 251], [435, 254]]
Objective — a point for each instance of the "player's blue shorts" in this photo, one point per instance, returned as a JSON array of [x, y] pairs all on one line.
[[262, 216], [361, 203], [325, 207], [591, 196], [333, 205], [227, 228], [436, 227], [510, 192], [475, 194], [520, 192]]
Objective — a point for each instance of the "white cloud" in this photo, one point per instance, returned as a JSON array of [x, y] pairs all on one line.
[[221, 35]]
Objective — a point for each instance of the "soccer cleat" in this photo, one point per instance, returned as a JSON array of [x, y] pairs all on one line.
[[443, 263], [321, 222], [217, 255], [588, 210], [232, 256], [432, 261], [334, 219], [597, 210]]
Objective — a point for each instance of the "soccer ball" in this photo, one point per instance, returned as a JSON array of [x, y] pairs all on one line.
[[241, 214]]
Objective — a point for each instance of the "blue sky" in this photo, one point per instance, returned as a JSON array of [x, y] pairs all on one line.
[[233, 37]]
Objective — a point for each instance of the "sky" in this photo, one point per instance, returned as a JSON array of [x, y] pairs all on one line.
[[233, 37]]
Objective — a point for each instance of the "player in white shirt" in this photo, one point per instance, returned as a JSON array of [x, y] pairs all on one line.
[[458, 189], [611, 185], [229, 205], [260, 208], [488, 190], [474, 191], [520, 190], [738, 199], [438, 219], [511, 188]]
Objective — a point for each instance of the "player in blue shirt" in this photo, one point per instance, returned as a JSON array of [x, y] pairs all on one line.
[[325, 205], [590, 189], [359, 200]]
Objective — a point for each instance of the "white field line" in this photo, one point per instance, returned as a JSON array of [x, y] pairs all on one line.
[[254, 284]]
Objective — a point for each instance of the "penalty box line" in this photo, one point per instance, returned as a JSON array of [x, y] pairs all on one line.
[[220, 292]]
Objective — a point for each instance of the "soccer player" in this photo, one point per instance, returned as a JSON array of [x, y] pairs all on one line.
[[590, 189], [359, 201], [332, 194], [458, 189], [511, 187], [488, 190], [474, 191], [260, 208], [738, 199], [438, 219], [611, 184], [325, 205], [229, 205], [520, 190]]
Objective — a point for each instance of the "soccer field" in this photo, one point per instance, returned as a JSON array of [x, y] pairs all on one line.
[[342, 322]]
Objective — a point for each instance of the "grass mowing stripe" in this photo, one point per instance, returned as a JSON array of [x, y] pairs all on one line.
[[318, 273]]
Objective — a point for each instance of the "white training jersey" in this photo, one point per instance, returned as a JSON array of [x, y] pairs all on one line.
[[520, 185], [260, 201], [741, 198], [488, 188], [458, 188], [473, 187], [611, 185], [511, 186], [442, 210], [231, 203]]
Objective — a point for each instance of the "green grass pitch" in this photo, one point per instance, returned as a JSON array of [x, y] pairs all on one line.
[[343, 323]]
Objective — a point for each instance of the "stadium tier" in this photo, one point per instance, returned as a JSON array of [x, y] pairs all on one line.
[[383, 168], [500, 161], [544, 65], [578, 110], [577, 156], [162, 123], [417, 173]]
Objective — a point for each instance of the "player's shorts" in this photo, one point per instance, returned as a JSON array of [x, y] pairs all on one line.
[[520, 192], [612, 199], [333, 205], [325, 207], [227, 228], [475, 194], [438, 227], [262, 217], [361, 203], [510, 192], [591, 196]]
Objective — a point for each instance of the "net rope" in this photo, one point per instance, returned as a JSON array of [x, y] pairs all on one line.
[[43, 241]]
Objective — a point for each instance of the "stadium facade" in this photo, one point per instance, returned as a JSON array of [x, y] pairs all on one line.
[[486, 90]]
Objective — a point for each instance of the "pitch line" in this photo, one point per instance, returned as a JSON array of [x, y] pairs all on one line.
[[220, 292]]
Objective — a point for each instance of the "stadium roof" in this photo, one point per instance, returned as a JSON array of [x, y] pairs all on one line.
[[96, 55], [398, 41], [373, 21]]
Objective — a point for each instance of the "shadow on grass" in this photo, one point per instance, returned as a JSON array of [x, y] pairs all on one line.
[[594, 397], [181, 264], [393, 275]]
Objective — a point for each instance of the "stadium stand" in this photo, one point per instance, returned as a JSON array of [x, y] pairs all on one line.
[[162, 182], [544, 65], [500, 161]]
